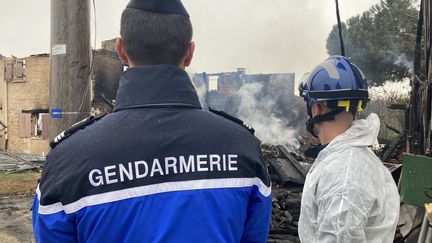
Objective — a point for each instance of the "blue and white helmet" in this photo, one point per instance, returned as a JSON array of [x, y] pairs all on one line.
[[337, 82]]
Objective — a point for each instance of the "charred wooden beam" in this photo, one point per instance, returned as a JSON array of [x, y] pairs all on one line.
[[286, 171], [293, 160], [392, 147], [104, 99], [392, 128], [401, 107]]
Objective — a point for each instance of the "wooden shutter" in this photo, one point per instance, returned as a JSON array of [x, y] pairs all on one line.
[[45, 125], [25, 126], [19, 69], [8, 71]]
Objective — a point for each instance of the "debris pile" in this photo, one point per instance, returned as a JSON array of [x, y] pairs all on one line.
[[285, 215], [288, 172], [14, 163]]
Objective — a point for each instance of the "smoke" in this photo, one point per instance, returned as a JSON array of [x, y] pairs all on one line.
[[201, 89], [402, 60], [259, 109], [391, 91], [266, 102]]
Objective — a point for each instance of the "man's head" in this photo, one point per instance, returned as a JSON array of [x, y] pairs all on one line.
[[155, 32], [335, 91]]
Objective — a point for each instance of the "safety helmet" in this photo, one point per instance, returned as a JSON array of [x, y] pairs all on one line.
[[336, 82]]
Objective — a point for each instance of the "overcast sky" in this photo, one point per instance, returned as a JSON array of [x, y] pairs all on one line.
[[261, 35]]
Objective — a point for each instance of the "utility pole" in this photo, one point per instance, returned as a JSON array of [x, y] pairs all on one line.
[[340, 29], [70, 63]]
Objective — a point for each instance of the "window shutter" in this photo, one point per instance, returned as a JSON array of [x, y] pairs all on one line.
[[25, 126], [19, 69], [8, 71], [45, 126]]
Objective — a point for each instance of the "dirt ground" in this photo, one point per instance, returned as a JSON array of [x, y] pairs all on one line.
[[16, 197]]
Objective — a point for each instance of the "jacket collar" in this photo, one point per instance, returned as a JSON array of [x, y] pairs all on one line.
[[156, 85], [362, 133]]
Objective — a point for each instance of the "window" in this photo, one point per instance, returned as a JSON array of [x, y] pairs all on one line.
[[213, 83], [34, 124], [19, 70], [14, 70]]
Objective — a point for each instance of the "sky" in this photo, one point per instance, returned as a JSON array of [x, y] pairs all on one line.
[[263, 36]]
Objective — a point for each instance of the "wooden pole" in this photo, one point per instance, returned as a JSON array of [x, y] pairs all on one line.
[[70, 63], [413, 120]]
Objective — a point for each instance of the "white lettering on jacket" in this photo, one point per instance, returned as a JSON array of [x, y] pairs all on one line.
[[122, 172]]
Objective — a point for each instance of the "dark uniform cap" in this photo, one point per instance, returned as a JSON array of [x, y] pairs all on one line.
[[159, 6]]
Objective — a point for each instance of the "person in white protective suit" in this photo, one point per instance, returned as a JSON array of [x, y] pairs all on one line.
[[349, 195]]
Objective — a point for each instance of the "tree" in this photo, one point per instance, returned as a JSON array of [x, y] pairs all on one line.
[[380, 41]]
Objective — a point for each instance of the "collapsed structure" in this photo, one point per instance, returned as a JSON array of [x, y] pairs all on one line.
[[221, 88]]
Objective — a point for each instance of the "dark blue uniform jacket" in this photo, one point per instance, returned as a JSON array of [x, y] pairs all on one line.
[[157, 169]]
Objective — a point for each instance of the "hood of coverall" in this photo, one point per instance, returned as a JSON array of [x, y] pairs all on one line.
[[363, 132]]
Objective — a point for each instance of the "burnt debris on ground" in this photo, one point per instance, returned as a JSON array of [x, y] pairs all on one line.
[[287, 171], [15, 163]]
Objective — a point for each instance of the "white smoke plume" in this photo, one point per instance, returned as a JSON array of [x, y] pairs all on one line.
[[402, 60], [201, 90], [258, 110], [390, 90]]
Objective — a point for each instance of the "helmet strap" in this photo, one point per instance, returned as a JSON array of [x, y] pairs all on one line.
[[353, 110], [352, 106], [330, 116]]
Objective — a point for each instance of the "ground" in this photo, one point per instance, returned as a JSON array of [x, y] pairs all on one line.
[[16, 197]]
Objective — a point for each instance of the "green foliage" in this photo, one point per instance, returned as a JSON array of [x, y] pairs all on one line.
[[380, 41]]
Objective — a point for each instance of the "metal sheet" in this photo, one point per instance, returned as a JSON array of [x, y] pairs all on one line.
[[416, 175]]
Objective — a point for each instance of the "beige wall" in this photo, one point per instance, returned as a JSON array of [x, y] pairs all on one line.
[[33, 94]]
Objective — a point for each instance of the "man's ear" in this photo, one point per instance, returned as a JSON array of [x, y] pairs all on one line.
[[121, 52], [317, 109], [189, 54]]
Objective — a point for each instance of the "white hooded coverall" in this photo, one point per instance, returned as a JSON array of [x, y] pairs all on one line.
[[349, 195]]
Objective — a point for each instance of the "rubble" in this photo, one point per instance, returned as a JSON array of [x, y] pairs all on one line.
[[285, 215], [286, 165], [287, 176], [390, 149], [14, 163]]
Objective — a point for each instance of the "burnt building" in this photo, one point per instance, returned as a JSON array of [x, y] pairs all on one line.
[[106, 73], [222, 89], [24, 97], [24, 104]]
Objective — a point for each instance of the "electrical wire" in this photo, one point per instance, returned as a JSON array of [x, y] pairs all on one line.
[[95, 35]]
